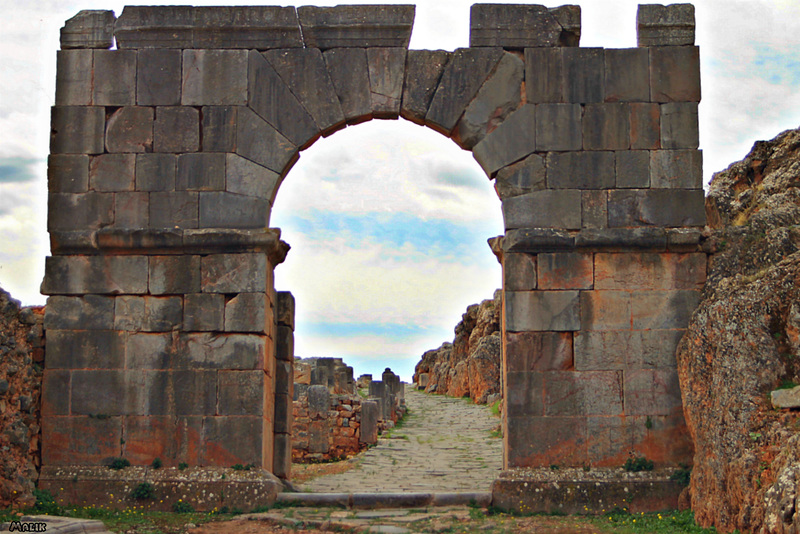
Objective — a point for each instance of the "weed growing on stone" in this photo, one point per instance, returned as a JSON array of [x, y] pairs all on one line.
[[182, 466], [182, 507], [156, 463], [143, 491], [118, 463], [638, 463]]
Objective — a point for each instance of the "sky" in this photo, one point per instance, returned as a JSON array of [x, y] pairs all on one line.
[[388, 220]]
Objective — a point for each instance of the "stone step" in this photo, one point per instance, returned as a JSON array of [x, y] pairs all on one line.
[[386, 500]]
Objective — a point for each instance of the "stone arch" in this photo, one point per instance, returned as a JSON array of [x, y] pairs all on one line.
[[167, 153]]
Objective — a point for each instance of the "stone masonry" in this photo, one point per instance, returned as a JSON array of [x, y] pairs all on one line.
[[167, 154]]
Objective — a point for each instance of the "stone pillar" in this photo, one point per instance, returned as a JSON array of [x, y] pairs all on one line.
[[284, 384], [369, 422]]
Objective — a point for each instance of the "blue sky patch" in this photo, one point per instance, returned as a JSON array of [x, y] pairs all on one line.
[[17, 170]]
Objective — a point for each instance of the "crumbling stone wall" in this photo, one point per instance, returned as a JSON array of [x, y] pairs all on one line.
[[167, 154], [21, 361]]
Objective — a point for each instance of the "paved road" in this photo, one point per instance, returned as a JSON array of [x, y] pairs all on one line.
[[444, 445]]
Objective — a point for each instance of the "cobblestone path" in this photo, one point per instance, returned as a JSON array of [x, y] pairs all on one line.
[[443, 445]]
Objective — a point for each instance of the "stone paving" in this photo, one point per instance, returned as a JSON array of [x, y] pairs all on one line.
[[444, 445]]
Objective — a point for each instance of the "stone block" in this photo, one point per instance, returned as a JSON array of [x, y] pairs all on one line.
[[155, 27], [349, 74], [151, 350], [90, 312], [583, 75], [131, 210], [174, 209], [630, 238], [565, 270], [656, 207], [318, 401], [284, 344], [386, 68], [55, 392], [660, 25], [174, 275], [676, 169], [645, 126], [286, 307], [156, 172], [633, 169], [424, 69], [77, 129], [273, 101], [284, 378], [538, 351], [500, 95], [558, 127], [68, 173], [204, 312], [511, 141], [89, 29], [544, 209], [544, 75], [241, 392], [201, 171], [463, 76], [176, 129], [218, 351], [74, 77], [244, 177], [522, 177], [607, 350], [247, 312], [107, 392], [182, 392], [229, 210], [71, 275], [663, 309], [85, 349], [214, 78], [70, 441], [605, 310], [282, 413], [248, 27], [114, 78], [627, 75], [519, 272], [594, 209], [606, 127], [524, 394], [576, 393], [79, 211], [218, 128], [304, 72], [369, 422], [644, 270], [158, 77], [524, 26], [112, 172], [234, 273], [675, 74], [318, 437], [148, 314], [234, 440], [542, 311], [172, 439], [652, 392], [785, 398], [679, 125], [535, 441], [581, 170], [362, 26], [658, 349], [259, 142], [130, 129], [282, 458], [611, 439]]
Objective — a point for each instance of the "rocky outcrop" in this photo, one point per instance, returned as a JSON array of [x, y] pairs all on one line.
[[470, 365], [21, 360], [744, 342]]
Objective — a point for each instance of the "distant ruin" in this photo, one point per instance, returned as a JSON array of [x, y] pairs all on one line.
[[167, 154]]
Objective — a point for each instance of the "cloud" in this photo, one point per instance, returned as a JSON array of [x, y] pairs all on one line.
[[17, 169]]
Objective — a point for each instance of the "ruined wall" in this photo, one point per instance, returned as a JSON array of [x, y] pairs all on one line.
[[167, 153]]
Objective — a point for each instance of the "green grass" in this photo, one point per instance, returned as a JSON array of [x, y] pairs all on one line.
[[669, 522], [495, 409]]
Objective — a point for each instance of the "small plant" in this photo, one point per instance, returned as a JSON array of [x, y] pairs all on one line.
[[156, 463], [45, 503], [682, 475], [587, 468], [755, 435], [554, 467], [182, 466], [118, 463], [240, 467], [143, 492], [638, 463], [648, 424], [182, 507]]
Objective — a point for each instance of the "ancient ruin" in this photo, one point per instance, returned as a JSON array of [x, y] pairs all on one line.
[[166, 336]]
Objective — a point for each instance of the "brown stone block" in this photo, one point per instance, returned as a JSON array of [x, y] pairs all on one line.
[[386, 69], [605, 310], [181, 392], [626, 349], [284, 344], [534, 441], [538, 351], [247, 312], [173, 440], [174, 209], [149, 351], [221, 351], [652, 392], [676, 169], [663, 309], [645, 126], [131, 210], [204, 312], [80, 440], [95, 274], [282, 416], [544, 79], [642, 270], [241, 392], [542, 311], [675, 74], [627, 75], [606, 127], [114, 77], [285, 309], [214, 77], [112, 172], [79, 211], [55, 392], [565, 270], [74, 77], [148, 314], [176, 129], [68, 173], [230, 440], [519, 272], [90, 312], [423, 71], [130, 129], [85, 349], [234, 273], [108, 392], [578, 393], [77, 129], [594, 209], [174, 274], [611, 439], [524, 394]]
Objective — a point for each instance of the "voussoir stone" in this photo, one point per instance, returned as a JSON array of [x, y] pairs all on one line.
[[348, 70], [424, 69], [514, 139]]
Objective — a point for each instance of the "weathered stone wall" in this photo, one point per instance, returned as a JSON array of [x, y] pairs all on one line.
[[330, 372], [167, 153], [21, 361]]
